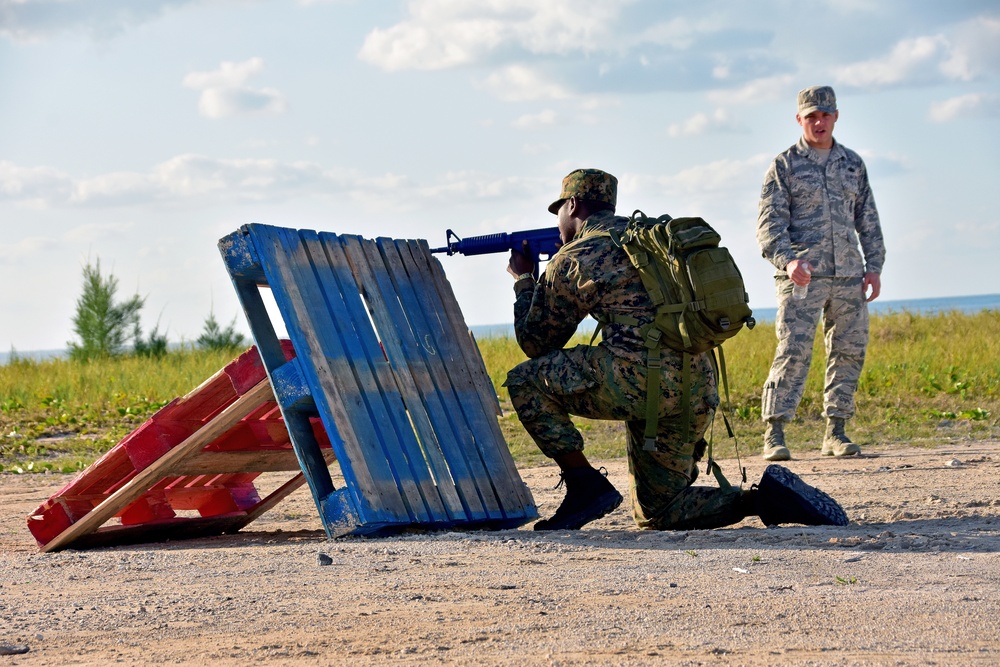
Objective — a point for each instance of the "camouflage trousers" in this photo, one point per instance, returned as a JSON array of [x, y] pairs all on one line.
[[841, 302], [592, 382]]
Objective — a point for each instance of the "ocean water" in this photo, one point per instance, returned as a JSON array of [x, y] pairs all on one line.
[[965, 304]]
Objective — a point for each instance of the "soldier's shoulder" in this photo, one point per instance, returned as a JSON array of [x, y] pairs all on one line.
[[849, 154]]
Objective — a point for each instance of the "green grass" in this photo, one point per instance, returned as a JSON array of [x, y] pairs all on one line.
[[927, 379]]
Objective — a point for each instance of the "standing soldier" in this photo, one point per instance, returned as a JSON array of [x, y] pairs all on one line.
[[815, 207], [590, 275]]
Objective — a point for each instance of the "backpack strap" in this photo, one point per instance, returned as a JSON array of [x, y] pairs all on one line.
[[719, 366], [653, 364]]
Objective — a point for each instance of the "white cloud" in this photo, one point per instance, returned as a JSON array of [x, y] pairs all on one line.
[[965, 106], [191, 179], [909, 59], [963, 52], [536, 149], [440, 34], [26, 248], [96, 231], [758, 91], [519, 83], [35, 20], [33, 184], [534, 121], [718, 121], [225, 93], [713, 177]]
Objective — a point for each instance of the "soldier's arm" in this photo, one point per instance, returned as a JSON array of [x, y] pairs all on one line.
[[869, 227], [547, 313], [774, 217]]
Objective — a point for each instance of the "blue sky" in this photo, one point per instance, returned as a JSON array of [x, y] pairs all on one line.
[[140, 132]]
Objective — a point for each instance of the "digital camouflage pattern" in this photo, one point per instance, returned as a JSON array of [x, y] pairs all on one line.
[[590, 276], [590, 184], [833, 209], [820, 213], [841, 303], [817, 98]]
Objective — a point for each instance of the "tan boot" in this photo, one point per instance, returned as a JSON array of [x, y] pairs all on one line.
[[774, 442], [836, 442]]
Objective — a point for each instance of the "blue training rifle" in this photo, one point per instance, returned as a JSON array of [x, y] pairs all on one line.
[[542, 244]]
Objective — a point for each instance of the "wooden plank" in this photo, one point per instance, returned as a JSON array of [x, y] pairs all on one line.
[[442, 365], [421, 253], [490, 445], [323, 333], [412, 357], [422, 447], [139, 484], [393, 434], [207, 463]]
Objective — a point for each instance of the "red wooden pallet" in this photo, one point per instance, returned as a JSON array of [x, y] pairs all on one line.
[[188, 471]]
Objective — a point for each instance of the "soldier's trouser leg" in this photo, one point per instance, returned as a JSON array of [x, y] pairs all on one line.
[[795, 327], [663, 497], [845, 325], [588, 382]]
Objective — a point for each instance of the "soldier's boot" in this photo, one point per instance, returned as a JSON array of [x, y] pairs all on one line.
[[782, 497], [774, 442], [836, 442], [589, 496]]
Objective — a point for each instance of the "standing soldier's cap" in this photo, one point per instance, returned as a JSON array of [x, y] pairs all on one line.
[[589, 184], [817, 98]]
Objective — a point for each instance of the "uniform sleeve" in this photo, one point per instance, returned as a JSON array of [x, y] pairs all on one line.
[[546, 317], [774, 217], [868, 226]]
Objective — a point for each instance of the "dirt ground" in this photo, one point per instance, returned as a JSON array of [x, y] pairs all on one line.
[[914, 579]]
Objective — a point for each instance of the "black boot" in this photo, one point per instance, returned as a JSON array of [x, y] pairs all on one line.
[[589, 496], [782, 497]]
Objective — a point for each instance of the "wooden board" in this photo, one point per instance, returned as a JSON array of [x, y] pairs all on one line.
[[387, 364], [199, 454]]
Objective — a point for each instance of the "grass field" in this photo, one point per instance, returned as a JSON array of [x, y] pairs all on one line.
[[927, 379]]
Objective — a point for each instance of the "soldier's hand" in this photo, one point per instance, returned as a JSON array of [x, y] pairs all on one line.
[[520, 261], [799, 271], [873, 281]]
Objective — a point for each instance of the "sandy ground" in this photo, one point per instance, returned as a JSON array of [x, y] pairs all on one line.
[[914, 579]]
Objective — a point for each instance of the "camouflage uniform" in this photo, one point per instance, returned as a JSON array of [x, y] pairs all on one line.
[[819, 212], [591, 276]]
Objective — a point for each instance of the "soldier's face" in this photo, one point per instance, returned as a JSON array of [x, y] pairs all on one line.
[[567, 229], [817, 128]]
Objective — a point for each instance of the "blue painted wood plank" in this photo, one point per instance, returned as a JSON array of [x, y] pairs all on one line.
[[445, 368], [319, 325], [394, 438], [462, 503], [460, 334], [488, 443]]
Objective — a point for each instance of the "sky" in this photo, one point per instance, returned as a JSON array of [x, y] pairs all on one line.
[[140, 132]]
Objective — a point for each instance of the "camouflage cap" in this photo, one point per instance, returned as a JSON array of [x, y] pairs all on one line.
[[817, 98], [590, 184]]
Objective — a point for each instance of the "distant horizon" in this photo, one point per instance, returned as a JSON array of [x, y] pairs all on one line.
[[970, 304]]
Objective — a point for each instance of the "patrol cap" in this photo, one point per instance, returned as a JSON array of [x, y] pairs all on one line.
[[590, 184], [817, 98]]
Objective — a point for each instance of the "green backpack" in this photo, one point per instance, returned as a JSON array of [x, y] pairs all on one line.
[[699, 297]]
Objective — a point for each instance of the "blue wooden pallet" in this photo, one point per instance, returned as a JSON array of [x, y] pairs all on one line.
[[384, 358]]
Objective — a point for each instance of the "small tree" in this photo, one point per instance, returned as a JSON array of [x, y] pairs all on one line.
[[154, 346], [213, 337], [103, 325]]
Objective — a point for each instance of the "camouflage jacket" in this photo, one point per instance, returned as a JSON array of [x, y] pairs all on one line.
[[588, 276], [819, 213]]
